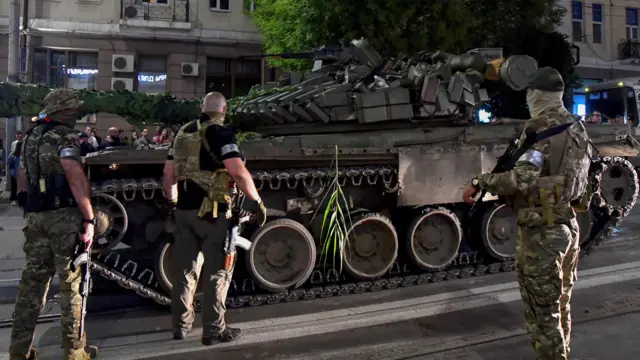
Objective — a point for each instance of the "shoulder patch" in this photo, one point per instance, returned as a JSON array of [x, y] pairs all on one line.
[[533, 157]]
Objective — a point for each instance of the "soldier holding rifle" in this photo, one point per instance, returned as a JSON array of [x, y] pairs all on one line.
[[546, 186], [56, 198], [202, 169]]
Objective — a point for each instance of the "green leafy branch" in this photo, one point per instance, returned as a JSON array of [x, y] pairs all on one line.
[[336, 221]]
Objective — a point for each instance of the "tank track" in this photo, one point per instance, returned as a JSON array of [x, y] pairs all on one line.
[[608, 216], [122, 267]]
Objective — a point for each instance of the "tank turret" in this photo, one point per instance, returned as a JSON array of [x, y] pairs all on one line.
[[362, 87]]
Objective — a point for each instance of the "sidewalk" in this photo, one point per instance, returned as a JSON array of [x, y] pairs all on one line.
[[4, 195], [12, 260], [11, 256]]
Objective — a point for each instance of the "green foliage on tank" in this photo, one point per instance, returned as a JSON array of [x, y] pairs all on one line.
[[135, 107]]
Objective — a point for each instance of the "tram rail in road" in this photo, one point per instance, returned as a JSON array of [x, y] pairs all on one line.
[[143, 346]]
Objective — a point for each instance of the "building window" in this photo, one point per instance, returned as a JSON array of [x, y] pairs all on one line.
[[152, 74], [576, 20], [632, 23], [70, 69], [219, 5], [82, 71], [597, 17], [248, 74], [219, 76]]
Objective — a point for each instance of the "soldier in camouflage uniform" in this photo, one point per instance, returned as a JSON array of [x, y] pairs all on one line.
[[204, 160], [546, 186], [55, 195]]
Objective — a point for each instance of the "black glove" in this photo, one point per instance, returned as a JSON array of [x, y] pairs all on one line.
[[22, 199], [258, 209], [167, 207]]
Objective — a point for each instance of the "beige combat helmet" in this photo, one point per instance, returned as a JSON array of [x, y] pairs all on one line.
[[547, 79], [60, 99]]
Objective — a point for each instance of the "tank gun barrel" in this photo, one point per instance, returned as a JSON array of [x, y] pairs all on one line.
[[321, 53]]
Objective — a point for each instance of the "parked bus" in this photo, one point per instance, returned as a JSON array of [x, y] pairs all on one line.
[[613, 102]]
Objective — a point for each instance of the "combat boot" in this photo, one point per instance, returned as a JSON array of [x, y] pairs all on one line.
[[181, 334], [88, 353], [229, 334], [33, 355]]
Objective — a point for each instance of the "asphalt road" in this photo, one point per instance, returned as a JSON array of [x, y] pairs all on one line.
[[606, 321]]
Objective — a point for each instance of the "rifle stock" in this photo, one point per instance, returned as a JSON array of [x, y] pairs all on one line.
[[234, 239], [82, 260]]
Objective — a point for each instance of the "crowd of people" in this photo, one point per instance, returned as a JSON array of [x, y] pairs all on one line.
[[117, 137], [597, 118], [89, 142]]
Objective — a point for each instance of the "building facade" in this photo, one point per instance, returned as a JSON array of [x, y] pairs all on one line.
[[608, 38], [186, 47]]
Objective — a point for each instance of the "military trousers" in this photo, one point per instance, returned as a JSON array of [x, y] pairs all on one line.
[[50, 239], [546, 264], [193, 236]]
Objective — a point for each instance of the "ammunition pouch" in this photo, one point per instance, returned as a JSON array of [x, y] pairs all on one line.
[[545, 203], [219, 188], [52, 193], [583, 203]]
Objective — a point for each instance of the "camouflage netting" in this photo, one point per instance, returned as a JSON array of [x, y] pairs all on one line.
[[28, 100], [366, 88]]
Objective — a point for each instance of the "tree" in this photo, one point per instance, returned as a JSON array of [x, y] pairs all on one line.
[[391, 26], [395, 26], [550, 49]]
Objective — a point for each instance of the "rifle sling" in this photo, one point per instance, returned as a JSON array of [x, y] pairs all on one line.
[[532, 139]]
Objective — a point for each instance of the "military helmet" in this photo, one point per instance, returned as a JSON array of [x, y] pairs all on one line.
[[546, 79], [60, 99]]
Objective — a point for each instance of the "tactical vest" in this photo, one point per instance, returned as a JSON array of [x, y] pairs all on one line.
[[45, 192], [563, 184], [218, 185]]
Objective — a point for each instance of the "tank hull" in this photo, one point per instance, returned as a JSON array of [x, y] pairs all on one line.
[[408, 182]]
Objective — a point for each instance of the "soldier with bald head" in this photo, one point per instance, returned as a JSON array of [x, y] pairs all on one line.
[[203, 168]]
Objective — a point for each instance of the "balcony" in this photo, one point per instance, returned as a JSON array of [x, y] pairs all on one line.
[[629, 49], [165, 14]]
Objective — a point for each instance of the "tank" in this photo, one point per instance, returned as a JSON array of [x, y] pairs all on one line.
[[365, 155]]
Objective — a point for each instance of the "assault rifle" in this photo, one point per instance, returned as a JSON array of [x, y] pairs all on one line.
[[514, 151], [234, 239], [82, 259]]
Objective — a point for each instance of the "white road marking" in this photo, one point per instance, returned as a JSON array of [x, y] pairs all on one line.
[[154, 345]]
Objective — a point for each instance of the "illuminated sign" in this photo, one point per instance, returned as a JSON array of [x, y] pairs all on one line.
[[76, 71], [152, 78], [141, 77]]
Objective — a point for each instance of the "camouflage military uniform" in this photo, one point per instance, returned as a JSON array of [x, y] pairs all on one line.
[[542, 187], [50, 238]]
